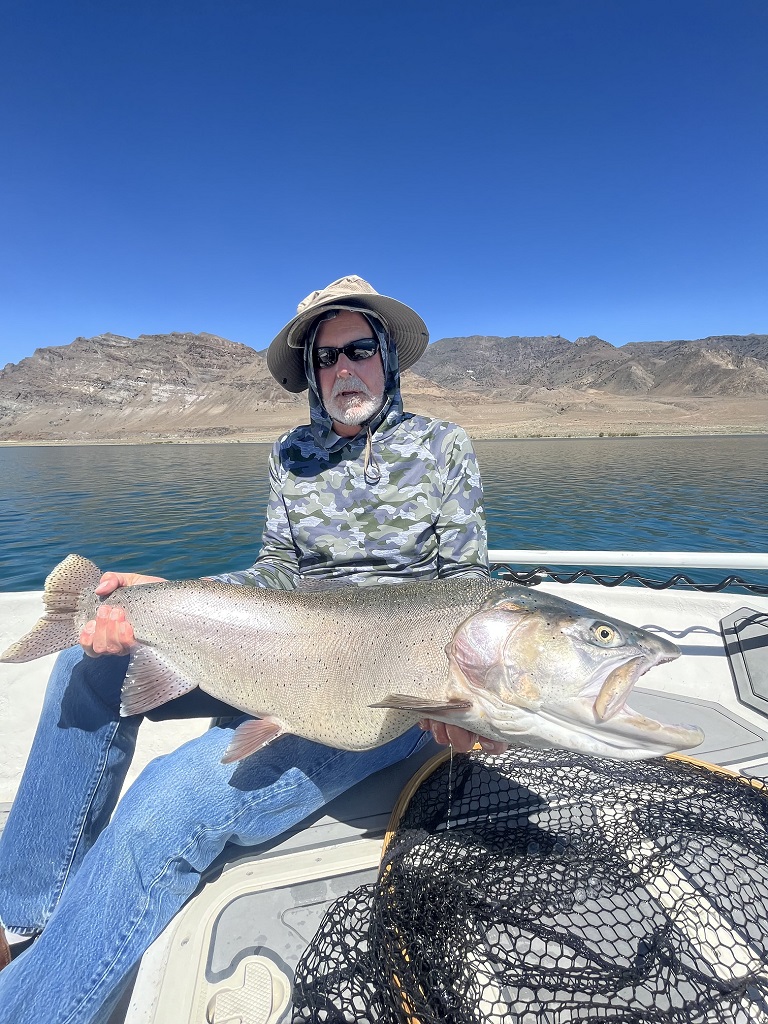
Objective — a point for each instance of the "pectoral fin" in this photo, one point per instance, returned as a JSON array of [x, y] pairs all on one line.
[[152, 679], [250, 737], [421, 705]]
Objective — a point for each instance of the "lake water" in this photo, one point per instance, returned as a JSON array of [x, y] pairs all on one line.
[[190, 510]]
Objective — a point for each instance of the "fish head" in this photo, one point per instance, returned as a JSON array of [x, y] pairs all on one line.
[[548, 672]]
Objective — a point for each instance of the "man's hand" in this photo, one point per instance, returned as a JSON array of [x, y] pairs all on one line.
[[109, 633], [460, 739]]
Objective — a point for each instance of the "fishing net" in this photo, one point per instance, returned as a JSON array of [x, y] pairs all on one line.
[[545, 887]]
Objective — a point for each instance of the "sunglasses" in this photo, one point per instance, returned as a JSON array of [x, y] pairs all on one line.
[[354, 350]]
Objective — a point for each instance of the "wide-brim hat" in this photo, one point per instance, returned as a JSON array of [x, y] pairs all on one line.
[[285, 356]]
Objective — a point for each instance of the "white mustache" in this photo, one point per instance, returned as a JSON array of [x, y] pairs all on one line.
[[349, 384]]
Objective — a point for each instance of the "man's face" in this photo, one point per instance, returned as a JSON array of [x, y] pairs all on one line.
[[352, 391]]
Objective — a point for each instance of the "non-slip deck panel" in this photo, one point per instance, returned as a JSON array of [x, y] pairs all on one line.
[[728, 738], [745, 635]]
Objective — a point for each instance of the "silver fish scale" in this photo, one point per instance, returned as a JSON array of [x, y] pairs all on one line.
[[301, 656]]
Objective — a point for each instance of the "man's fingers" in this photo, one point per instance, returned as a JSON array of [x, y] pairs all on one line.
[[493, 746], [109, 633], [86, 637], [126, 635], [438, 729], [461, 739], [109, 583], [99, 641]]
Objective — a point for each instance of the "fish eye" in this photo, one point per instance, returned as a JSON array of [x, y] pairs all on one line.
[[605, 634]]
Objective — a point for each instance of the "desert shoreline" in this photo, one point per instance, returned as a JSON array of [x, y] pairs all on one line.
[[475, 435]]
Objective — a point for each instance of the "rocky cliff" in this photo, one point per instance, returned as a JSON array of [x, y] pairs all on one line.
[[117, 387], [706, 368]]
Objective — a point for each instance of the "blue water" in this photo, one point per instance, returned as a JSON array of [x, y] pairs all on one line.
[[189, 510]]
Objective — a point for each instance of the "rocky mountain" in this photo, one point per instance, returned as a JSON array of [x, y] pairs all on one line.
[[124, 387], [188, 386], [707, 367]]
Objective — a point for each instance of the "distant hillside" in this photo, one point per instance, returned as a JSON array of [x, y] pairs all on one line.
[[188, 386], [115, 386], [707, 367]]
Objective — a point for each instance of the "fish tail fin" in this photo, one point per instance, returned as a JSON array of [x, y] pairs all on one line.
[[67, 590]]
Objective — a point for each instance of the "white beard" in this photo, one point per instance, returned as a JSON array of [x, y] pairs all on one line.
[[352, 410]]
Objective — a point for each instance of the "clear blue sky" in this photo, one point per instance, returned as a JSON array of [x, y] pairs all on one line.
[[507, 167]]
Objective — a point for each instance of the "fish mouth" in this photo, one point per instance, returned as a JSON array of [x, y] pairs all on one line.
[[612, 722], [617, 682], [628, 734], [597, 720], [572, 725], [612, 726]]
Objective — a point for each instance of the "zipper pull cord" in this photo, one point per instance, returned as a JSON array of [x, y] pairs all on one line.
[[371, 470]]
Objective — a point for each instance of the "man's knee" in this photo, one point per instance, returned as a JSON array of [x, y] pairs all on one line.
[[83, 684]]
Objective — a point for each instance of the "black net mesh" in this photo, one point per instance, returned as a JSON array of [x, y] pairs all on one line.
[[550, 887]]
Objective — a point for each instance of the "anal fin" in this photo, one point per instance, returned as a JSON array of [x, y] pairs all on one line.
[[421, 705], [152, 679], [250, 737]]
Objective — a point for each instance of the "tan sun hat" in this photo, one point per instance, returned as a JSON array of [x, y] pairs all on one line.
[[285, 356]]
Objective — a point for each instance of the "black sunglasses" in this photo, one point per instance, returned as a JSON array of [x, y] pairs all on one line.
[[326, 356]]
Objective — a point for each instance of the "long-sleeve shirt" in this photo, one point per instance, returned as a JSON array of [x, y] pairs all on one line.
[[422, 519]]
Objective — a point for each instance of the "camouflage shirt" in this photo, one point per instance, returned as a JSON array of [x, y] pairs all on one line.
[[412, 510]]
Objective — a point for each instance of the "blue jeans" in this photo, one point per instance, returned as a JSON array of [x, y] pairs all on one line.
[[101, 886]]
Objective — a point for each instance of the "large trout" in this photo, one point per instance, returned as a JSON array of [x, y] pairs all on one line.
[[354, 667]]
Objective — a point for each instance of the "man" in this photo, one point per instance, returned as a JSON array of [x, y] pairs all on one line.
[[365, 493]]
